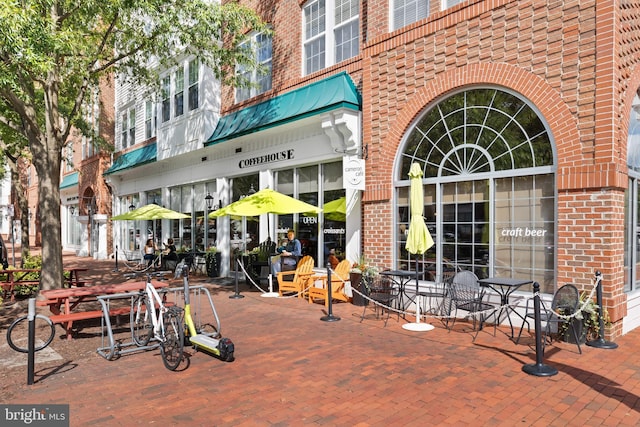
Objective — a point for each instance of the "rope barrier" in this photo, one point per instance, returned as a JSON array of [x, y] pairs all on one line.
[[473, 314]]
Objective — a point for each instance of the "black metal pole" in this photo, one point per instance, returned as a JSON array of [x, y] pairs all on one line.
[[116, 257], [600, 342], [236, 295], [538, 369], [329, 317], [31, 356]]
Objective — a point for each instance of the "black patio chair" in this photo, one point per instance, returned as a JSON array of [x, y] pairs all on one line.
[[260, 264], [383, 293], [465, 293], [565, 303]]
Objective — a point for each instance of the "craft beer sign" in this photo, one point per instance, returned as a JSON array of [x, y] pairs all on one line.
[[353, 173]]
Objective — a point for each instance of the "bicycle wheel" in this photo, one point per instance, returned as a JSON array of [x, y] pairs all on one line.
[[18, 333], [172, 346], [140, 321]]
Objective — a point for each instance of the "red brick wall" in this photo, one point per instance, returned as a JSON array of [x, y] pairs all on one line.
[[577, 61]]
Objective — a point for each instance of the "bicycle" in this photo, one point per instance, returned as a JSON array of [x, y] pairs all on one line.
[[18, 333], [151, 319], [181, 330]]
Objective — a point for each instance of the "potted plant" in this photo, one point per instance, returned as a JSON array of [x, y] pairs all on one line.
[[361, 275], [586, 322], [212, 259]]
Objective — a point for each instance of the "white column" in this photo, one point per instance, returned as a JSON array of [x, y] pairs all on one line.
[[101, 220]]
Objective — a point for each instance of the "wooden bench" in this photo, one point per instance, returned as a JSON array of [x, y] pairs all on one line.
[[62, 302], [67, 319]]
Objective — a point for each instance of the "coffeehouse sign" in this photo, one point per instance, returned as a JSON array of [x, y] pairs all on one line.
[[278, 156]]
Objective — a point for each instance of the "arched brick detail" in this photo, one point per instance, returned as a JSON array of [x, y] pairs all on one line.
[[563, 125]]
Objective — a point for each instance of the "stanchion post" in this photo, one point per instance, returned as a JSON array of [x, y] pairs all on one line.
[[31, 355], [236, 295], [600, 341], [329, 317], [116, 257], [538, 369]]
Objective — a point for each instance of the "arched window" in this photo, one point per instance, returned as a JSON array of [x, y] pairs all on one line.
[[489, 184]]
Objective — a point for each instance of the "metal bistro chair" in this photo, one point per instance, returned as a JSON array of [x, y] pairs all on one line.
[[383, 293], [466, 294], [261, 265], [565, 302]]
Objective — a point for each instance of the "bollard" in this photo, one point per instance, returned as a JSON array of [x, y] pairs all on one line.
[[31, 355], [600, 342], [236, 295], [329, 317], [116, 257], [538, 369]]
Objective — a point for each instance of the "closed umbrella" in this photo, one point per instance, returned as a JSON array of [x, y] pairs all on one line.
[[418, 239], [266, 201]]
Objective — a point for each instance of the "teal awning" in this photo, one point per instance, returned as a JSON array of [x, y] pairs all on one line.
[[337, 91], [139, 157], [70, 180]]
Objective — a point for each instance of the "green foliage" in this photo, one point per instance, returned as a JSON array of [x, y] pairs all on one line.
[[589, 315]]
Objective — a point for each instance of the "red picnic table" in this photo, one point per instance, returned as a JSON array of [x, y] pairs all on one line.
[[63, 302]]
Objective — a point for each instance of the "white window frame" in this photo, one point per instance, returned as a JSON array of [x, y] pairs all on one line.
[[194, 85], [446, 4], [178, 92], [150, 119], [262, 51], [408, 7], [165, 98], [323, 41]]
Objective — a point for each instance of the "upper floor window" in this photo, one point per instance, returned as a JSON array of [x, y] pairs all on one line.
[[194, 79], [149, 119], [330, 37], [407, 12], [450, 3], [166, 98], [127, 130], [178, 92], [260, 46], [68, 157]]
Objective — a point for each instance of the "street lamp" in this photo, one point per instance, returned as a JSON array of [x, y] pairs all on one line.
[[209, 201], [131, 207]]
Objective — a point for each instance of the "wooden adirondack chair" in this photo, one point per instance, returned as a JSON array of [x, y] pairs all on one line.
[[339, 277], [296, 280]]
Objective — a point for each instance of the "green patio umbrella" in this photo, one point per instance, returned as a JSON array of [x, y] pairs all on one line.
[[266, 201], [336, 210], [418, 239], [150, 212]]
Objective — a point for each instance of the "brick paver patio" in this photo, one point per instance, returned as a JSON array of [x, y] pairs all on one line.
[[291, 368]]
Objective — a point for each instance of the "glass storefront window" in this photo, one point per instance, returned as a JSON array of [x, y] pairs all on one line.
[[489, 187]]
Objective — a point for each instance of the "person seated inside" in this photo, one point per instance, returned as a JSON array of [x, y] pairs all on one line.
[[149, 252], [288, 254], [333, 259]]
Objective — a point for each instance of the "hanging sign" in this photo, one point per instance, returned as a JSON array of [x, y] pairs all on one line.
[[353, 173]]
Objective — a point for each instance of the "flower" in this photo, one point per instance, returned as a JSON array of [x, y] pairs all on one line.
[[365, 268]]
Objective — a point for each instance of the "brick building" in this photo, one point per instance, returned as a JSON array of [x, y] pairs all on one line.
[[522, 114]]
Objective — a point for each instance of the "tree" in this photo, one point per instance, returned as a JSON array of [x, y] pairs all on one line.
[[52, 52]]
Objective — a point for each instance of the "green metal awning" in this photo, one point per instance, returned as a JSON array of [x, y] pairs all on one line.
[[70, 180], [337, 91], [139, 157]]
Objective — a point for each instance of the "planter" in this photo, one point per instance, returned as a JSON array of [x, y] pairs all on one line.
[[357, 283], [581, 332], [213, 264]]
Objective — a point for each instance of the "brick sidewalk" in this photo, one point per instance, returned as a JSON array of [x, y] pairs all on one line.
[[291, 368]]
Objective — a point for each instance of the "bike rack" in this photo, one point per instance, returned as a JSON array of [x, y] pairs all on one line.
[[111, 348]]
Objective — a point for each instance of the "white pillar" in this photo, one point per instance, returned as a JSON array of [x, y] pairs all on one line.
[[101, 221]]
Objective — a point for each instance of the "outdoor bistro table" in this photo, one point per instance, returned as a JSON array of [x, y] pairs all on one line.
[[401, 278], [504, 286]]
